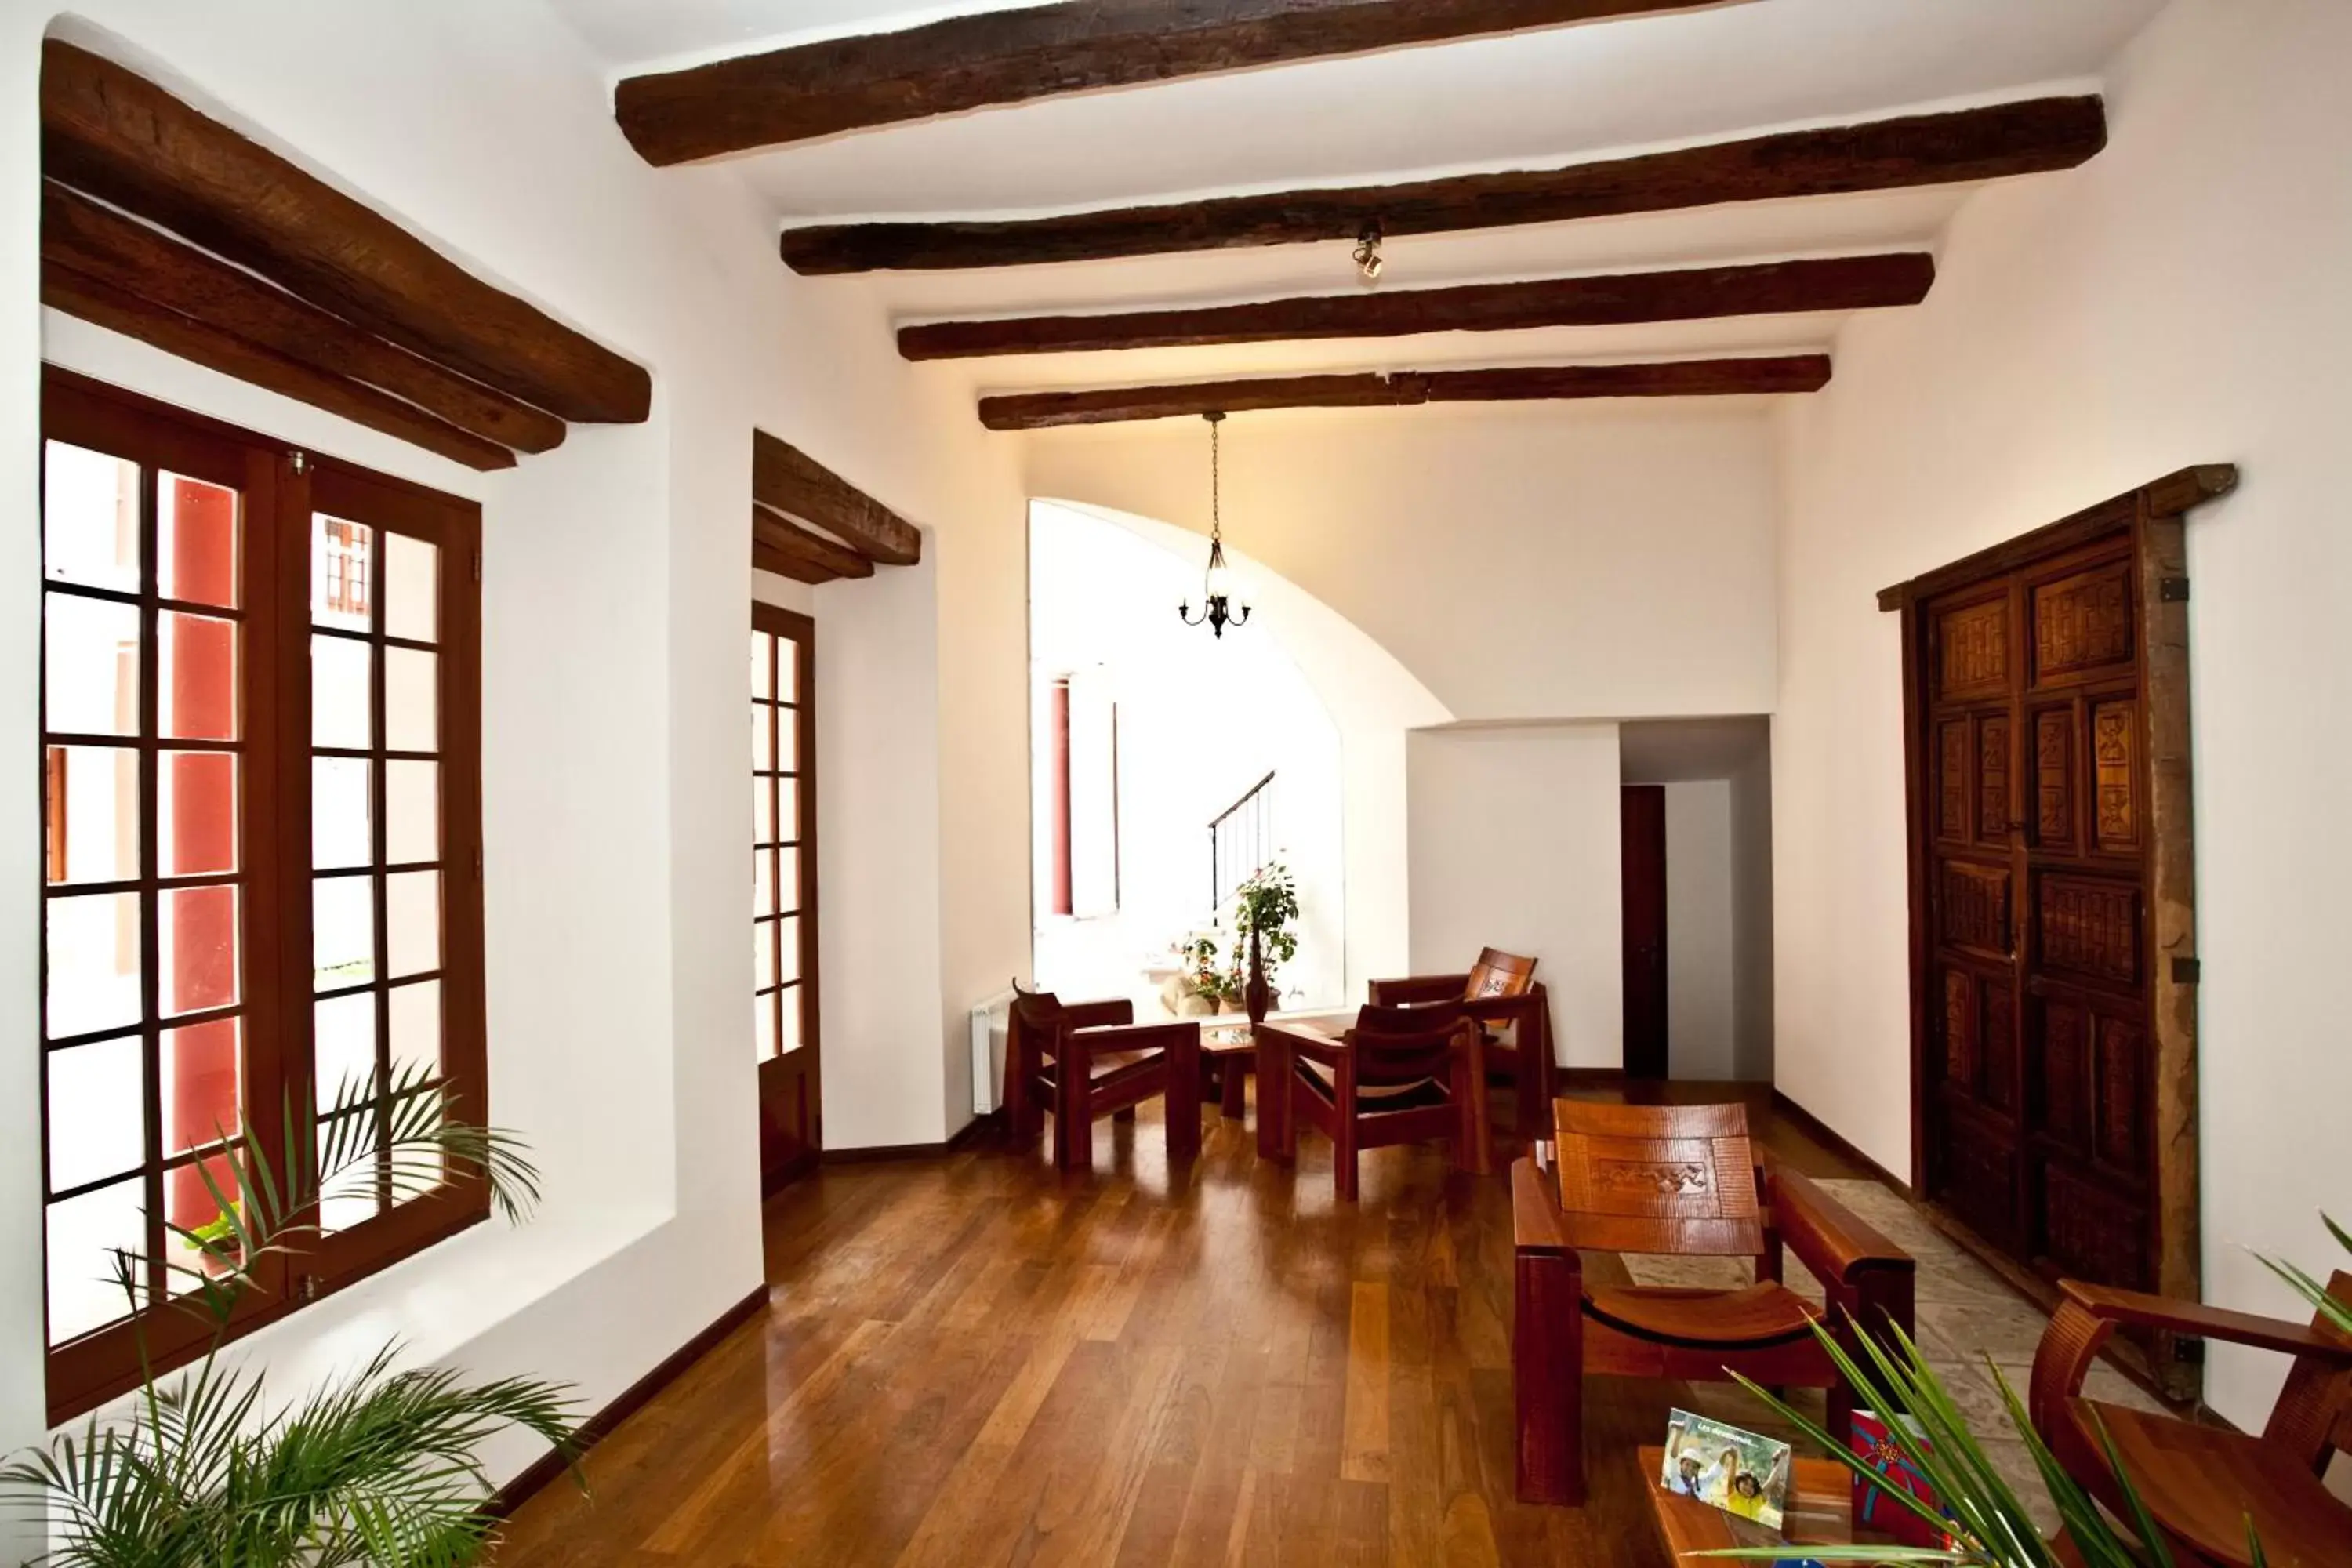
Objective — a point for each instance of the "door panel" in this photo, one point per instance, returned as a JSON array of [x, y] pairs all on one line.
[[784, 949], [1642, 822]]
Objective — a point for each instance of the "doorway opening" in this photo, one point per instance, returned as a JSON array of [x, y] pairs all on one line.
[[1698, 864]]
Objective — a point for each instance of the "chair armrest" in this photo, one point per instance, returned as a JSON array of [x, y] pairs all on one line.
[[2136, 1310], [1538, 1224], [1098, 1015], [1131, 1037], [1828, 1237], [1417, 988], [1305, 1042]]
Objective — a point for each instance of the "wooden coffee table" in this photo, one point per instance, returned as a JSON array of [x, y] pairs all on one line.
[[1821, 1511]]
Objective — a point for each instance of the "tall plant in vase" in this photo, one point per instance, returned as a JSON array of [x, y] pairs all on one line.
[[1265, 909]]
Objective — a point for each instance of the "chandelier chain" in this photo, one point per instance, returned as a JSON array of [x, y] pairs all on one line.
[[1216, 501]]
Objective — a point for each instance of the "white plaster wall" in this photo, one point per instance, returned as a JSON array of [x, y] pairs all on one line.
[[615, 589], [1562, 561], [1699, 945], [2180, 300], [1514, 843]]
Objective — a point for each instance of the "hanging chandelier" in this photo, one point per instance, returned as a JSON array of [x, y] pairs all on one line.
[[1225, 603]]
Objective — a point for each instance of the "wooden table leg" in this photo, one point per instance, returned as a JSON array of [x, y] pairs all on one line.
[[1233, 1086]]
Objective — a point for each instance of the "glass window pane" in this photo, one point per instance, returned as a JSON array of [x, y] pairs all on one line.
[[763, 955], [763, 738], [788, 670], [412, 719], [342, 931], [196, 819], [788, 809], [412, 918], [340, 714], [791, 1036], [195, 691], [90, 805], [764, 882], [342, 572], [763, 665], [343, 1054], [415, 1031], [86, 1236], [343, 812], [91, 685], [412, 588], [89, 518], [201, 1086], [763, 811], [352, 1201], [788, 740], [412, 811], [788, 880], [98, 1111], [197, 932], [788, 948], [764, 1025], [195, 540], [93, 954]]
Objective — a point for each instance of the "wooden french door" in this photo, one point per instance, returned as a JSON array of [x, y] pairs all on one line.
[[2053, 1009], [783, 892], [1642, 824]]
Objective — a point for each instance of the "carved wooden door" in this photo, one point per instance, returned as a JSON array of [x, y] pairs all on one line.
[[2052, 934]]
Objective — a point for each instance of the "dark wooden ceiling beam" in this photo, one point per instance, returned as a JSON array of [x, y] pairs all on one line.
[[785, 478], [766, 557], [780, 535], [1678, 378], [118, 136], [94, 300], [1775, 288], [1010, 56], [98, 242], [2005, 139]]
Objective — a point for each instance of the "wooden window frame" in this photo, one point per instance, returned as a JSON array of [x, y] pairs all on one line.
[[280, 491], [791, 627]]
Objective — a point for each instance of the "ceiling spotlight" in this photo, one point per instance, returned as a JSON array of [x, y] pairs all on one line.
[[1368, 252]]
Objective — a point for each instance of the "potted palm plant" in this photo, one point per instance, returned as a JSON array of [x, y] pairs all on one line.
[[203, 1470]]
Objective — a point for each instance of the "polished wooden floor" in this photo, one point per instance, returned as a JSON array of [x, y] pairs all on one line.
[[968, 1361]]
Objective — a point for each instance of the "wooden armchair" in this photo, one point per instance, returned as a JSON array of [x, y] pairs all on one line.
[[1392, 1078], [2201, 1484], [1501, 991], [1674, 1179], [1087, 1059]]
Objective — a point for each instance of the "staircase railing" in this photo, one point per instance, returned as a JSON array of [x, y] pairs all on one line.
[[1241, 841]]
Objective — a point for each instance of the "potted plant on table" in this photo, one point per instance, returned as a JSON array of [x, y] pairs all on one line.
[[1264, 910], [202, 1471]]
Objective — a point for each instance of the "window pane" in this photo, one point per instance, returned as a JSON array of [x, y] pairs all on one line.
[[412, 918], [788, 740], [342, 931], [790, 1037], [764, 882], [93, 952], [412, 588], [92, 677], [763, 738], [763, 665], [201, 1086], [196, 929], [98, 1112], [788, 880], [788, 670], [416, 1030], [86, 1235], [788, 809], [351, 1202], [196, 820], [763, 955], [343, 813], [788, 948], [195, 692], [412, 720], [344, 1052], [195, 540], [341, 575], [90, 801], [89, 518], [340, 714], [412, 810], [764, 1025], [763, 811]]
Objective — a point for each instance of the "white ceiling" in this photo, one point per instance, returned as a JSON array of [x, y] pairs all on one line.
[[1529, 99]]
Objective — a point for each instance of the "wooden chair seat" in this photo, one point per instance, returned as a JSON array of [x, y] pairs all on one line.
[[1501, 996], [1400, 1075], [1753, 1318], [1104, 1066], [1123, 1063], [2202, 1483], [1377, 1097]]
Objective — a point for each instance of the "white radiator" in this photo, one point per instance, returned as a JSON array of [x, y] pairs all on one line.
[[989, 1021]]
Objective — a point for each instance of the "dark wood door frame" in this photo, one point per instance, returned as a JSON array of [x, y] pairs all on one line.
[[1643, 848], [2150, 519], [791, 1110]]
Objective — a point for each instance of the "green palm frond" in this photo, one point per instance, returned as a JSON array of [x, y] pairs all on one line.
[[2312, 1289]]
